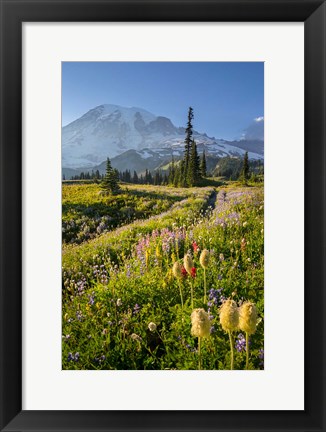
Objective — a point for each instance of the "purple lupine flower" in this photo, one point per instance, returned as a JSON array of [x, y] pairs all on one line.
[[73, 357], [136, 309], [240, 343], [100, 359], [79, 315]]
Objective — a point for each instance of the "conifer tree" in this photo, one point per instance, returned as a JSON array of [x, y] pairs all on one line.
[[110, 180], [188, 141], [203, 166], [194, 176], [171, 172], [157, 179], [245, 168], [135, 178]]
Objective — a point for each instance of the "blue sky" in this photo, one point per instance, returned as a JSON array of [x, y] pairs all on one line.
[[226, 97]]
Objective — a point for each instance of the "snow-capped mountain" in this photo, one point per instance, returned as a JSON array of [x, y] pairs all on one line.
[[128, 133]]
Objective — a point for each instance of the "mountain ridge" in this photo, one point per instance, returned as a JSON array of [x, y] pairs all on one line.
[[112, 131]]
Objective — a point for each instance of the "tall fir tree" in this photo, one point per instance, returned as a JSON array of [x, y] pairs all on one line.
[[203, 166], [245, 168], [194, 176], [188, 141], [110, 180]]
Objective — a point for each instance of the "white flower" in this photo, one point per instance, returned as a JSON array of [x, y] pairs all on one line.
[[200, 323], [152, 326], [245, 224], [119, 302]]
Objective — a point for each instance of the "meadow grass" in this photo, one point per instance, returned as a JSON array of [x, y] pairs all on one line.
[[121, 299]]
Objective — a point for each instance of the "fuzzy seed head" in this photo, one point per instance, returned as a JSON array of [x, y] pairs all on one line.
[[248, 317], [204, 258], [200, 323], [152, 326], [229, 315], [177, 270], [188, 263]]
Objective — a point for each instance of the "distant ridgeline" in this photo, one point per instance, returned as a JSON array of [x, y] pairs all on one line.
[[137, 141], [187, 169]]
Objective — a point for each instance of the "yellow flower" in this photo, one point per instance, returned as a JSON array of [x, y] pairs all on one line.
[[200, 323], [204, 258], [158, 252], [147, 253], [188, 263], [248, 317], [229, 315]]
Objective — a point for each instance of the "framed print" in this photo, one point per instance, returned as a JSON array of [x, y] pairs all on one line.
[[162, 164]]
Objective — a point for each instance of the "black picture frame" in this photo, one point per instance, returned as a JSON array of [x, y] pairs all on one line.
[[13, 14]]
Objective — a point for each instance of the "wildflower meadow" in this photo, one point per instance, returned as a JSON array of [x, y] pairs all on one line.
[[163, 278]]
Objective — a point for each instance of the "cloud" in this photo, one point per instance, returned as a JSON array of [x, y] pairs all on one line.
[[255, 131], [259, 119]]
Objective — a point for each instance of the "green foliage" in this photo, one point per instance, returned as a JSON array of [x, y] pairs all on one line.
[[87, 212], [245, 168], [110, 181], [203, 165], [188, 172], [115, 285], [228, 167], [188, 143], [194, 172]]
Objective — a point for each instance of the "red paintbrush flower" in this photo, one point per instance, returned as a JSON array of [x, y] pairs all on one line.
[[195, 247], [193, 272], [184, 272]]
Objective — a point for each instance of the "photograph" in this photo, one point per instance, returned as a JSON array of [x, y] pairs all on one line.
[[152, 245], [163, 215]]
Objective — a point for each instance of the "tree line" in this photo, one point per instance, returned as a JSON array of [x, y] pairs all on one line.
[[156, 178], [187, 172]]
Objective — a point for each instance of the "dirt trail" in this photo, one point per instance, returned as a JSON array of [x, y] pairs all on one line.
[[212, 199]]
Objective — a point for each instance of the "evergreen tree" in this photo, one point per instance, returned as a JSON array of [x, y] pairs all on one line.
[[203, 166], [194, 176], [245, 168], [180, 180], [188, 141], [110, 180], [171, 172], [135, 178]]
